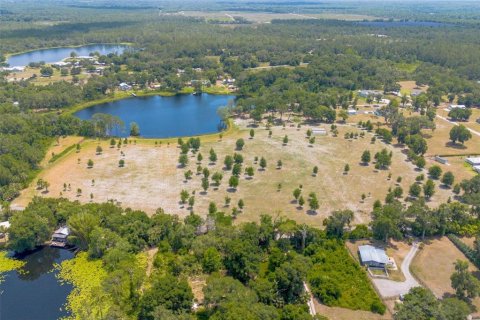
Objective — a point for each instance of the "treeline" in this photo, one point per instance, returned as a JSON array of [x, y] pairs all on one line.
[[252, 271]]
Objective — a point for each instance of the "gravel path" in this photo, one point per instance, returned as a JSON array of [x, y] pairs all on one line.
[[390, 288], [456, 124]]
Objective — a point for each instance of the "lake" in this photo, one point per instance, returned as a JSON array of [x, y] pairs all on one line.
[[164, 117], [57, 54], [33, 292], [408, 23]]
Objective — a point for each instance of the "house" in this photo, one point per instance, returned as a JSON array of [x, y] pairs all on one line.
[[124, 86], [385, 101], [476, 168], [441, 160], [373, 257], [416, 92], [319, 131], [351, 112], [3, 228], [456, 106], [60, 237], [367, 93], [14, 69], [474, 161]]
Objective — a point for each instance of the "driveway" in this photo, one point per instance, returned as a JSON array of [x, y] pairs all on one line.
[[390, 288], [456, 124]]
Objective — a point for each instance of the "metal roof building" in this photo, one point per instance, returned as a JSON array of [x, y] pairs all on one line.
[[373, 257]]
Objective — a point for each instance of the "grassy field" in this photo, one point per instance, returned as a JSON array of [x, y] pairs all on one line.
[[336, 313], [151, 177], [29, 72], [433, 265]]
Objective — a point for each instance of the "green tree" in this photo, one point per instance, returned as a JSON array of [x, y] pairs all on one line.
[[228, 162], [429, 189], [366, 157], [285, 140], [212, 260], [313, 201], [252, 133], [233, 182], [240, 144], [90, 163], [335, 224], [205, 184], [435, 172], [171, 292], [263, 163], [213, 156], [27, 231], [301, 201], [448, 178], [184, 196], [460, 133], [415, 190], [296, 193], [217, 177], [183, 160], [463, 282], [134, 129]]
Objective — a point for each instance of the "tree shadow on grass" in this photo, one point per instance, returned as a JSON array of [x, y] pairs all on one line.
[[450, 144], [312, 212]]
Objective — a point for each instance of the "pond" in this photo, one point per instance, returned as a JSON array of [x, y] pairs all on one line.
[[33, 292], [164, 117], [58, 54], [407, 23]]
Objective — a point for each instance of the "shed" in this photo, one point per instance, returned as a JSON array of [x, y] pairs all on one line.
[[351, 112], [474, 161], [441, 160], [319, 131], [60, 236], [373, 257]]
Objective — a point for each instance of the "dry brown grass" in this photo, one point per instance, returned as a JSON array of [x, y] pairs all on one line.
[[151, 178], [434, 264], [406, 87], [335, 313], [265, 17]]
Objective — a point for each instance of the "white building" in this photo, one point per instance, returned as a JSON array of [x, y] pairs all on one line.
[[124, 86], [474, 161], [456, 106]]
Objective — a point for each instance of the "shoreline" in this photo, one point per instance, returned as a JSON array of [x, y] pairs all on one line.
[[120, 95], [8, 55]]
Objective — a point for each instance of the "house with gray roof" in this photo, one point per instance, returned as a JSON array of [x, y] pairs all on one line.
[[373, 257]]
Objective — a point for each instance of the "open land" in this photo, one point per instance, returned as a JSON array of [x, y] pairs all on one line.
[[434, 264], [151, 178]]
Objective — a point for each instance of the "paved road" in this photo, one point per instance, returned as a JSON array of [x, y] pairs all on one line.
[[456, 124], [389, 288]]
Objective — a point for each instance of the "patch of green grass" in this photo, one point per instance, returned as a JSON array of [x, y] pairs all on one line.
[[61, 154], [336, 279]]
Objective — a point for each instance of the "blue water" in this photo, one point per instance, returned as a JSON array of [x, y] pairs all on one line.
[[397, 24], [35, 292], [58, 54], [163, 117]]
